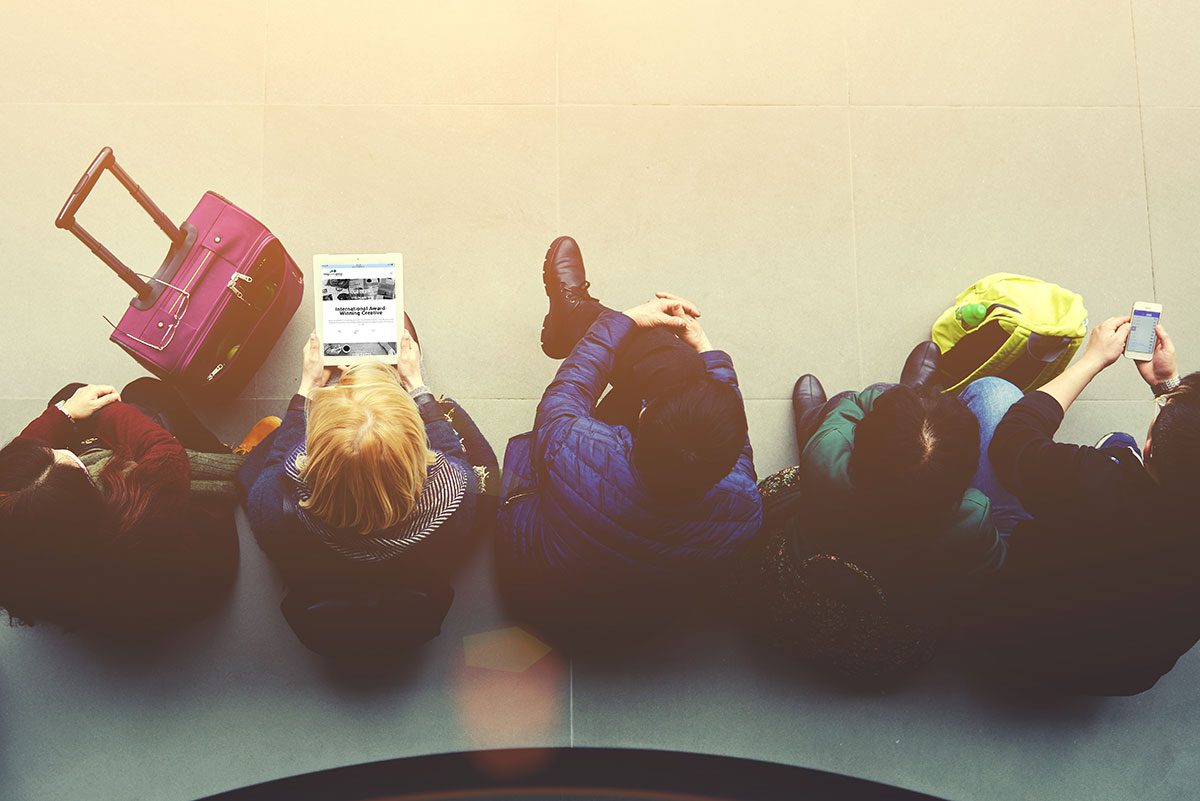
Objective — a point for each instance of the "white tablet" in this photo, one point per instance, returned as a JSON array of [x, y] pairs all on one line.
[[360, 306]]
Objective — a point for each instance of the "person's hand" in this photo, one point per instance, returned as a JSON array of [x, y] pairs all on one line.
[[664, 311], [314, 373], [88, 400], [693, 334], [1162, 366], [408, 362], [1107, 342], [681, 305]]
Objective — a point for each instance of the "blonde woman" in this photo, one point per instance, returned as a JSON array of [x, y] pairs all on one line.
[[364, 498]]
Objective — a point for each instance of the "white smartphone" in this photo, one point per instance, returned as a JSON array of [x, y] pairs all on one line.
[[359, 306], [1142, 336]]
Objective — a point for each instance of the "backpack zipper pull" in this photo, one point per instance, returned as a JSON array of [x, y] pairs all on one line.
[[215, 370]]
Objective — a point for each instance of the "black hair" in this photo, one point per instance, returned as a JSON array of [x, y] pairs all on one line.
[[689, 437], [915, 452], [53, 524], [1175, 438]]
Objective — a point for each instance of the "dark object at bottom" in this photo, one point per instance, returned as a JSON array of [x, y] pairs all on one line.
[[367, 621], [595, 774]]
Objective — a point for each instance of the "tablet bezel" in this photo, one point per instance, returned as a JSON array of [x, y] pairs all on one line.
[[322, 259]]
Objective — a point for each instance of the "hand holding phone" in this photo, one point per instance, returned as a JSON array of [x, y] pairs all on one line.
[[1161, 366], [1143, 331]]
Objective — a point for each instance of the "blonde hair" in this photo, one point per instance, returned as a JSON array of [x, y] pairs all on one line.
[[366, 453]]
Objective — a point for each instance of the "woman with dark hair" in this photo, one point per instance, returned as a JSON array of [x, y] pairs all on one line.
[[875, 537], [106, 521], [1100, 589]]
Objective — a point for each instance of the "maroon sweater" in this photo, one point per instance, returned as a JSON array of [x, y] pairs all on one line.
[[157, 455]]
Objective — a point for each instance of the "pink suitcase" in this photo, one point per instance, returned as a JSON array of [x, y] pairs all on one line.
[[211, 314]]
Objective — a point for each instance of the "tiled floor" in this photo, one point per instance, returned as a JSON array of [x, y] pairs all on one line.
[[821, 177]]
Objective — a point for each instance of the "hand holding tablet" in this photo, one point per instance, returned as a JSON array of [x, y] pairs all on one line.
[[359, 306]]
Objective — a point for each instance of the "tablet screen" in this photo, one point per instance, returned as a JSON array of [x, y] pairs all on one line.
[[359, 307]]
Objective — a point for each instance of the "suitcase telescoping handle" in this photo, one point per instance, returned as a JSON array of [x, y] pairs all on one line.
[[66, 218]]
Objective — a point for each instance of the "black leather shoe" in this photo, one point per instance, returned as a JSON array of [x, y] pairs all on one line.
[[921, 365], [807, 394], [567, 287]]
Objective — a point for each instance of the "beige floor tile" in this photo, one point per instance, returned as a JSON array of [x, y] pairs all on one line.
[[772, 435], [132, 52], [380, 51], [466, 194], [991, 52], [944, 197], [744, 211], [17, 413], [713, 51], [175, 153], [1167, 56], [1173, 175]]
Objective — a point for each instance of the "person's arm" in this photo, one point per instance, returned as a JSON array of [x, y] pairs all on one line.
[[1162, 367], [1023, 452], [1104, 347], [51, 428], [581, 378], [438, 430], [158, 455], [719, 365], [55, 427], [1030, 463]]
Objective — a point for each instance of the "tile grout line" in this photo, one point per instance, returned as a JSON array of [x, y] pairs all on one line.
[[557, 122], [858, 328], [558, 232], [262, 159], [412, 105], [1137, 77]]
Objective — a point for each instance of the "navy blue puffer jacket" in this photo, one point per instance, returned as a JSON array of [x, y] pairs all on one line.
[[577, 522]]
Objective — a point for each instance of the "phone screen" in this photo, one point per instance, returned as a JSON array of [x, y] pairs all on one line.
[[1141, 331]]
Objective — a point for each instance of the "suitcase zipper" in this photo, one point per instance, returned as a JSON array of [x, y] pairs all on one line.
[[236, 290], [216, 311]]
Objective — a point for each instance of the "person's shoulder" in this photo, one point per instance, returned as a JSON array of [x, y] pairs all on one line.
[[736, 498], [828, 451], [589, 441]]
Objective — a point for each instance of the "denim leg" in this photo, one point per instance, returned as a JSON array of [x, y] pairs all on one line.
[[989, 399]]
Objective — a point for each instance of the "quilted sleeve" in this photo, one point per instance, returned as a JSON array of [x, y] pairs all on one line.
[[577, 385]]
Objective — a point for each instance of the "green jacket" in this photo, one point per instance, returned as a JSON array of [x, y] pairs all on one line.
[[834, 517]]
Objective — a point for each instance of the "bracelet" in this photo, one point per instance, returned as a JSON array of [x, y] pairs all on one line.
[[62, 407], [1163, 387], [421, 390]]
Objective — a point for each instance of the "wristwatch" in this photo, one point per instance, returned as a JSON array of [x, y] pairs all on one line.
[[62, 407], [1163, 387]]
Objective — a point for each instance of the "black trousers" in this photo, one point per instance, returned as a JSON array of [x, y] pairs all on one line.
[[163, 404], [648, 362]]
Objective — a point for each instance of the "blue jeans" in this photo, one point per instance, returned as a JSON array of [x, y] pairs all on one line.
[[989, 399]]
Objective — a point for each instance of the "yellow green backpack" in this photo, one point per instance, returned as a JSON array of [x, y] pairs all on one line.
[[1019, 328]]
